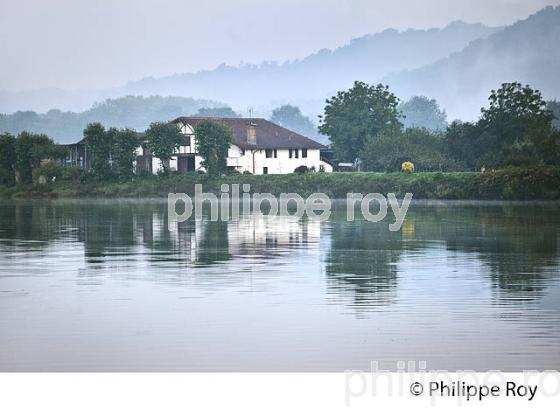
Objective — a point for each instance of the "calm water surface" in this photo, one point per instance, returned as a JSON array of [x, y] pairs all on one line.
[[105, 286]]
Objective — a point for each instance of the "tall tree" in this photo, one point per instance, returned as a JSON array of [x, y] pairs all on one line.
[[213, 141], [518, 126], [423, 112], [290, 116], [163, 140], [30, 150], [123, 152], [7, 159], [354, 115], [462, 144], [100, 143]]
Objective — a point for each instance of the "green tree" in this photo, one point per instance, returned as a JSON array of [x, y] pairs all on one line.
[[100, 142], [163, 140], [517, 127], [422, 112], [123, 152], [290, 116], [30, 150], [213, 141], [7, 159], [353, 116], [462, 143]]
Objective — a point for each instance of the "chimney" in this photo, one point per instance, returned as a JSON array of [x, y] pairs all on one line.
[[252, 133]]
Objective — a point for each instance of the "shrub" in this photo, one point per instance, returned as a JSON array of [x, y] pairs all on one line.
[[49, 170], [302, 169], [73, 174], [407, 166]]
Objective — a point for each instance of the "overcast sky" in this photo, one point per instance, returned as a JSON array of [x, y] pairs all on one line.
[[101, 43]]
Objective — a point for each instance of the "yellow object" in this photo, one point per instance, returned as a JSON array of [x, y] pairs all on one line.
[[407, 166], [408, 230]]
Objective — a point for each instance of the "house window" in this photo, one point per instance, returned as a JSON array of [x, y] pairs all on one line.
[[290, 153], [304, 153], [297, 153], [275, 153], [242, 151], [268, 153], [265, 170], [188, 141]]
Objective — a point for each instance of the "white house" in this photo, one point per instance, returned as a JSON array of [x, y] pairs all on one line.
[[258, 146]]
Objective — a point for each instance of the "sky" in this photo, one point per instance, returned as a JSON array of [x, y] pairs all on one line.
[[77, 44]]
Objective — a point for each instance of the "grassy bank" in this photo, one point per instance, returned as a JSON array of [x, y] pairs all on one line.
[[514, 183]]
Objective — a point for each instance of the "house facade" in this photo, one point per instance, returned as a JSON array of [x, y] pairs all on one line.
[[258, 147]]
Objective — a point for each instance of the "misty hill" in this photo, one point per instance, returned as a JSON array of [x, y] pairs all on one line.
[[309, 81], [44, 99], [133, 112], [527, 51]]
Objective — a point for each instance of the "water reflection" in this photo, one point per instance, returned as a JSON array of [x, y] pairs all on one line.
[[496, 263], [362, 261], [519, 245]]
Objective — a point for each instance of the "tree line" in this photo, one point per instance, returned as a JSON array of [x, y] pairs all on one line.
[[20, 156], [365, 124], [113, 152]]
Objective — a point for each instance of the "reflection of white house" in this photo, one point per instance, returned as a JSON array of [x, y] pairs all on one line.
[[258, 146], [252, 235], [278, 231]]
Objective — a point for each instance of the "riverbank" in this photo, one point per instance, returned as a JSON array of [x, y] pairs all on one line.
[[507, 184]]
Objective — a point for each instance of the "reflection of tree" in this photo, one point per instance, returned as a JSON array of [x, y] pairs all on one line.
[[145, 222], [214, 244], [27, 225], [519, 244], [362, 262], [32, 223], [105, 230]]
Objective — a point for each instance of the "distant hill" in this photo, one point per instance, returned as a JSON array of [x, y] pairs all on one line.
[[457, 65], [309, 81], [527, 51], [262, 87], [44, 99], [133, 112]]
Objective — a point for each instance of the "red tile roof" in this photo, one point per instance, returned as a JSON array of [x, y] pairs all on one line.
[[269, 135]]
